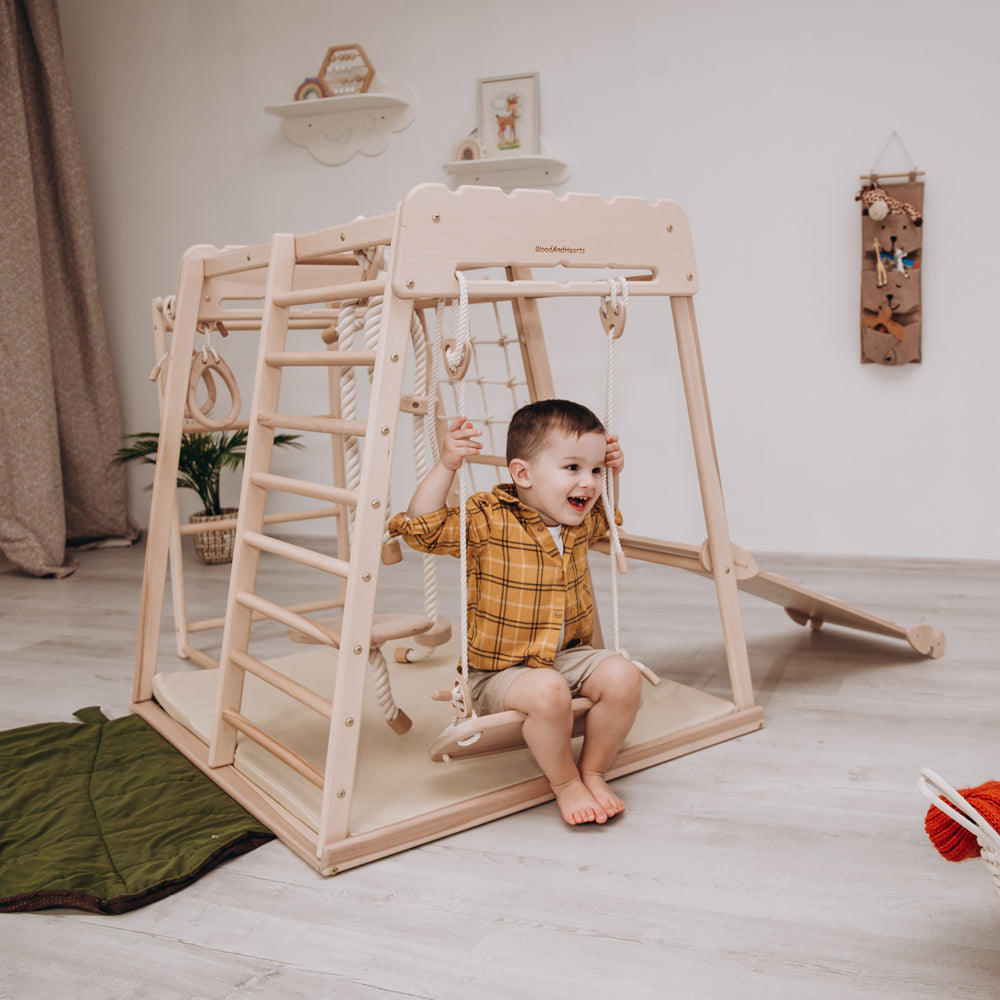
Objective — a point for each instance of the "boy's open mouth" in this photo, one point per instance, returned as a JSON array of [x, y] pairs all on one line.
[[578, 503]]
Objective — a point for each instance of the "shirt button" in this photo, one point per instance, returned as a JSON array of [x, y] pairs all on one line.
[[559, 614]]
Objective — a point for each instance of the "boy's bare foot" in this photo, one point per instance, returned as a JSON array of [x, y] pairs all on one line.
[[577, 804], [601, 791]]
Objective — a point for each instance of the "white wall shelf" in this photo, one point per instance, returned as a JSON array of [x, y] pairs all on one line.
[[509, 172], [333, 129]]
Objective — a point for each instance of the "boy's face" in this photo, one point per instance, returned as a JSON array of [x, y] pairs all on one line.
[[563, 480]]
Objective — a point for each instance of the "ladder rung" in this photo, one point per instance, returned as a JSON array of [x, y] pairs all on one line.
[[285, 754], [303, 488], [207, 624], [297, 553], [330, 293], [324, 425], [330, 359], [302, 694], [278, 518], [286, 616]]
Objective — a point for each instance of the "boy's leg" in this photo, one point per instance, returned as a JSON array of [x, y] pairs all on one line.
[[544, 698], [615, 687]]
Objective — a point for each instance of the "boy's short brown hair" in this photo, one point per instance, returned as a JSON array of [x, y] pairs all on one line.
[[530, 425]]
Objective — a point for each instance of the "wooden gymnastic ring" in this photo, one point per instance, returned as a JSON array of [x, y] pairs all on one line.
[[202, 366], [206, 377]]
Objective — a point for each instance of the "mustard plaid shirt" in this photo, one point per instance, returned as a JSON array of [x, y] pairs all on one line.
[[522, 592]]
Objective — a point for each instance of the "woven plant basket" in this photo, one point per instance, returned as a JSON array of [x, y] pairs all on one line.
[[215, 546], [940, 794]]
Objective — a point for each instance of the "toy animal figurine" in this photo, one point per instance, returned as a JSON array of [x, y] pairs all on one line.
[[881, 277], [884, 322], [508, 123], [878, 203]]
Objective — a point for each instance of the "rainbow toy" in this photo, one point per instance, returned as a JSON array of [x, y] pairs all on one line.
[[311, 87]]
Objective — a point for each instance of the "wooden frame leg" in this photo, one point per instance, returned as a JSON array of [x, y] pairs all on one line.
[[710, 483]]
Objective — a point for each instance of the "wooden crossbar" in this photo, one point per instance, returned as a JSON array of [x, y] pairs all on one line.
[[297, 553], [284, 615], [319, 359], [318, 423], [302, 487], [302, 694], [285, 754]]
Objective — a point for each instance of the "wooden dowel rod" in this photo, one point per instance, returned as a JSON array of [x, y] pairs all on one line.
[[307, 557], [304, 488], [285, 754], [318, 359], [302, 694], [319, 424], [207, 624], [333, 293], [202, 659], [230, 522], [878, 173], [236, 425], [287, 617]]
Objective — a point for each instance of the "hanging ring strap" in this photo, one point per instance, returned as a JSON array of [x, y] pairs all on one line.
[[203, 364]]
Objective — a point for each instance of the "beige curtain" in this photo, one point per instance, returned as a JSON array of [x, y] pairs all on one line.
[[59, 413]]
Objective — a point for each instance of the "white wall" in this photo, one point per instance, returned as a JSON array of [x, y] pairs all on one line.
[[757, 118]]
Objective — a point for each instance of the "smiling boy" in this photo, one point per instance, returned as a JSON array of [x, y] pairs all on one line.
[[530, 610]]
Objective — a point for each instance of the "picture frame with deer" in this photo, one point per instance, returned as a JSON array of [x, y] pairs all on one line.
[[508, 118]]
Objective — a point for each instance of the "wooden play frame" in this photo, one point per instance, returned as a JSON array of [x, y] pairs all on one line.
[[433, 233]]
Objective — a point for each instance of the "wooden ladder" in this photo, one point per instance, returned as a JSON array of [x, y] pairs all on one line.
[[358, 633]]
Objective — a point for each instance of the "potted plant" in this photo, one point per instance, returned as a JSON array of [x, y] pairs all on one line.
[[202, 458]]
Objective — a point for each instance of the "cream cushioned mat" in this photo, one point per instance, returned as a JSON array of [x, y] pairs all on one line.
[[396, 779]]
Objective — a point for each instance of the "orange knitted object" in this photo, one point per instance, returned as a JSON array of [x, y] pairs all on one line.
[[951, 839]]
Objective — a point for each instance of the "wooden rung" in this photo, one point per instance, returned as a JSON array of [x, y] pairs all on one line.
[[320, 424], [278, 518], [207, 624], [304, 488], [329, 359], [307, 557], [286, 616], [335, 293], [285, 754], [302, 694]]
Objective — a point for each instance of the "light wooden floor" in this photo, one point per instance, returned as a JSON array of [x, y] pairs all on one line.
[[789, 863]]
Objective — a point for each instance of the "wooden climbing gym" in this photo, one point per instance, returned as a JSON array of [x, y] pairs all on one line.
[[337, 743]]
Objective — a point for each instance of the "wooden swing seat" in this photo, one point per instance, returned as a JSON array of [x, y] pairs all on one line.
[[498, 733], [385, 628]]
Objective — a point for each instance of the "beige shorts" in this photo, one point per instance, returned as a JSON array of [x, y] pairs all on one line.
[[489, 687]]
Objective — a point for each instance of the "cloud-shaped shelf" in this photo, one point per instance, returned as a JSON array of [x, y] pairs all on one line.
[[333, 129]]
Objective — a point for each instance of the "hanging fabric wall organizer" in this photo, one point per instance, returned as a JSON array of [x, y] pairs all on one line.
[[891, 262]]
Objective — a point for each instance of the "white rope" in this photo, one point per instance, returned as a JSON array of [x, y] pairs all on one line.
[[619, 288], [460, 332], [347, 326], [383, 686]]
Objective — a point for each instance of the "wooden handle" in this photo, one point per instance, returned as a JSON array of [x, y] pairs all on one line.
[[400, 723]]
